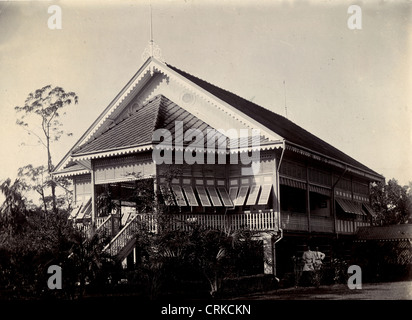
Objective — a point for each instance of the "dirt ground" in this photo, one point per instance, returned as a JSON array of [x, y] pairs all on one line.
[[370, 291]]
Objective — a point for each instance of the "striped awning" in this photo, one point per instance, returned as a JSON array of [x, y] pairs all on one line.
[[190, 196], [167, 196], [241, 196], [204, 199], [179, 197], [214, 197], [75, 211], [369, 209], [350, 206], [265, 194], [320, 190], [253, 195], [227, 202], [85, 211], [292, 183]]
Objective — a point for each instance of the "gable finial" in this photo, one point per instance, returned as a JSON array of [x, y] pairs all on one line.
[[152, 49]]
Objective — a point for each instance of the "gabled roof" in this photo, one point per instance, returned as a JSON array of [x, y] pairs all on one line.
[[290, 131], [387, 233], [104, 136], [137, 129]]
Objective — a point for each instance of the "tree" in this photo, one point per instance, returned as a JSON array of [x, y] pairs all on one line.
[[46, 105], [391, 202], [13, 209], [37, 179], [34, 180]]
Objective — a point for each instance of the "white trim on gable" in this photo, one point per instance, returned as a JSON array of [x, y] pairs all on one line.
[[218, 103], [139, 83]]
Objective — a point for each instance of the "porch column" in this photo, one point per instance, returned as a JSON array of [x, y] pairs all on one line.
[[276, 192], [155, 190], [268, 254], [333, 206], [308, 198], [94, 198]]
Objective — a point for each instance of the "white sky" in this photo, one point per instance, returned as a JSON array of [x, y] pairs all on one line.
[[348, 87]]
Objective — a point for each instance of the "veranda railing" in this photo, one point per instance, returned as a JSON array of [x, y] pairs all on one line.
[[265, 220]]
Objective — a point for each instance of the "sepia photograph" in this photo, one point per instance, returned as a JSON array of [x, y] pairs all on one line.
[[205, 158]]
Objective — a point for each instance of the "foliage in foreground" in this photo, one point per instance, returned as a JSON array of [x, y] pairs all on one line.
[[42, 240]]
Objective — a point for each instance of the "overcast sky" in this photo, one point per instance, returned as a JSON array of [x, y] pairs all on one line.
[[348, 87]]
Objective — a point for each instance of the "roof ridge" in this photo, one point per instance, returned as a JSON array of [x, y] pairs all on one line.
[[242, 98], [230, 92], [288, 129]]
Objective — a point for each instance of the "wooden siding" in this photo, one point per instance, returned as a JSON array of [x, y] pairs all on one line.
[[123, 169]]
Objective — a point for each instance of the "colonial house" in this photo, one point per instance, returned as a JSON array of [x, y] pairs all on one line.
[[226, 162]]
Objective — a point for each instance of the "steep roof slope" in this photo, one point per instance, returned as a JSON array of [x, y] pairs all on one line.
[[290, 131], [138, 128]]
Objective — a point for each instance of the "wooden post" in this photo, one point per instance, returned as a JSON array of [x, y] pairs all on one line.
[[333, 206], [268, 253], [275, 184], [308, 198], [93, 193], [155, 190]]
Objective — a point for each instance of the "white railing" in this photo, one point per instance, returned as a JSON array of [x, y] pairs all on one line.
[[264, 220], [123, 237], [101, 220], [84, 228], [259, 221], [104, 225]]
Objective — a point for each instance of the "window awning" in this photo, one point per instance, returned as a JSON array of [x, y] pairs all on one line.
[[85, 211], [167, 196], [253, 194], [204, 199], [264, 194], [179, 197], [214, 197], [190, 196], [350, 207], [75, 212], [320, 190], [241, 196], [292, 183], [233, 193], [227, 202], [369, 209], [359, 210]]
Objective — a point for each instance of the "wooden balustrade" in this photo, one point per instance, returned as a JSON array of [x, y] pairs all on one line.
[[299, 222], [259, 221], [104, 225], [123, 237], [294, 221]]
